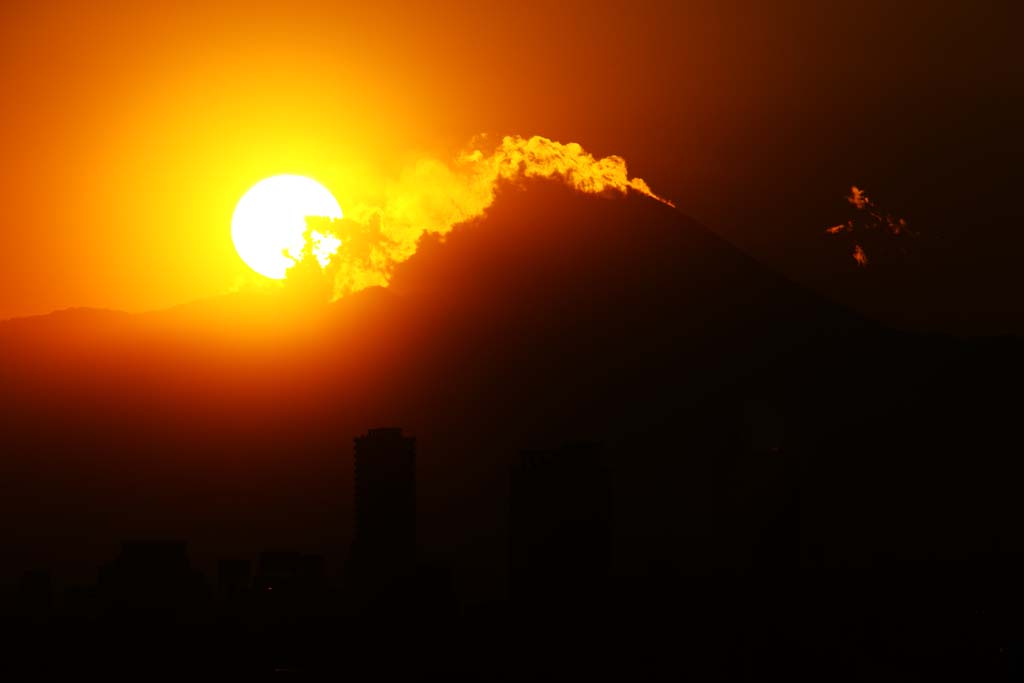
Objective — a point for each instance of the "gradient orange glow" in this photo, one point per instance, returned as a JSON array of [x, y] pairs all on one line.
[[152, 120], [130, 130]]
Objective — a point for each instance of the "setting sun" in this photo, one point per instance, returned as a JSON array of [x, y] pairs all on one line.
[[269, 223]]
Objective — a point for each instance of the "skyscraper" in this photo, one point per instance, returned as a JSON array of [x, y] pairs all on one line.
[[385, 505]]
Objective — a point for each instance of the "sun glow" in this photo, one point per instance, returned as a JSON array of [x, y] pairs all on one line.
[[285, 219], [268, 227]]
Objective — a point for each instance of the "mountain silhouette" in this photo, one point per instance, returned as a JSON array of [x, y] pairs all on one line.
[[555, 317]]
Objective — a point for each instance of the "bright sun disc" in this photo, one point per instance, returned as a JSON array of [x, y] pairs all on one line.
[[269, 223]]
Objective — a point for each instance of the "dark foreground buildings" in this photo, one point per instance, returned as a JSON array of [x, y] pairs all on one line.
[[152, 579], [384, 548], [779, 596]]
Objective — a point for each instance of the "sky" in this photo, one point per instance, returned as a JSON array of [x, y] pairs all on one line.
[[130, 132]]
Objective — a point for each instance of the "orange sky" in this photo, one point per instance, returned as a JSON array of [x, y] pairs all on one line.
[[134, 131], [129, 132]]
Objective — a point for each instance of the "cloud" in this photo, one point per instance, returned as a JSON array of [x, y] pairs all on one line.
[[432, 197], [858, 199], [869, 223]]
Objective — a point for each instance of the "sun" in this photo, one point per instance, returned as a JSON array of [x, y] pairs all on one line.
[[269, 223]]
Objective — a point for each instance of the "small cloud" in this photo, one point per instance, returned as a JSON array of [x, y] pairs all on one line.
[[858, 198], [869, 224]]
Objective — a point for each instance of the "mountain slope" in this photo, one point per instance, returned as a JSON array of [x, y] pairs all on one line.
[[555, 317]]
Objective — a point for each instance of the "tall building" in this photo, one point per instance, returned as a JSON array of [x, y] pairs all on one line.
[[560, 525], [385, 504]]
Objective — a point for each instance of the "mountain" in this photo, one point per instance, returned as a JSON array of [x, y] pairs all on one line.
[[719, 387]]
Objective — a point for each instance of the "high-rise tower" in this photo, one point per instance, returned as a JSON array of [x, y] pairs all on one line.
[[385, 504]]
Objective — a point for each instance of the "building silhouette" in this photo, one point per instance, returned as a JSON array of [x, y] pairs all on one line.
[[234, 577], [560, 515], [152, 577], [278, 571], [384, 547], [289, 571]]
